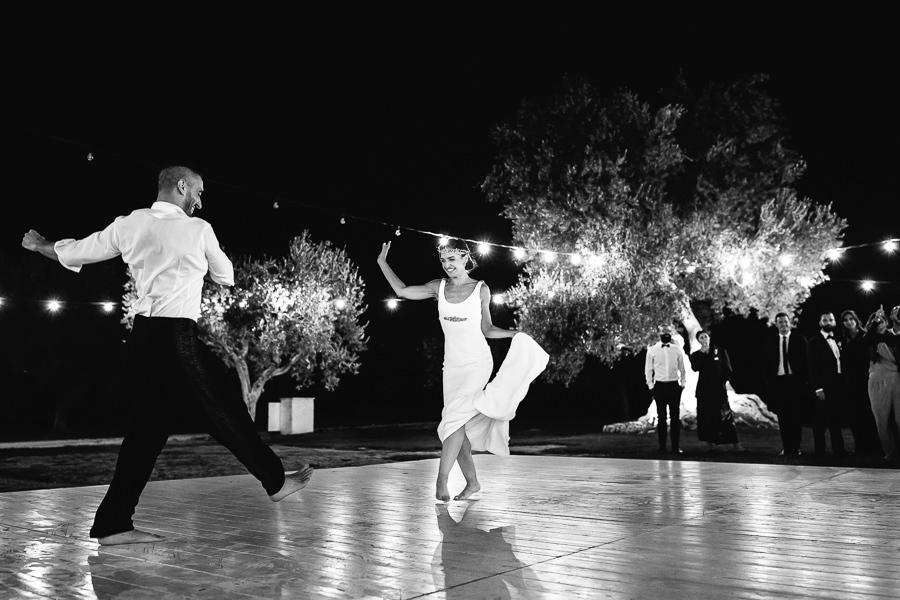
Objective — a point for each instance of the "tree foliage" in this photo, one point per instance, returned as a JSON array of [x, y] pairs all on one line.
[[297, 315], [689, 201]]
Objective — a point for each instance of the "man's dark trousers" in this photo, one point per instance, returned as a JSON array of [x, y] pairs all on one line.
[[668, 394], [788, 399], [173, 379]]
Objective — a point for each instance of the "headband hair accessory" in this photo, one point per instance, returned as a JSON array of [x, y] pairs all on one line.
[[451, 251]]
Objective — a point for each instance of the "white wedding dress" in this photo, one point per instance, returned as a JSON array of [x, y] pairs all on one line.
[[483, 408]]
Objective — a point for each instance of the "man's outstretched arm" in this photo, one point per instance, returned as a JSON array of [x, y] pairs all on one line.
[[36, 243]]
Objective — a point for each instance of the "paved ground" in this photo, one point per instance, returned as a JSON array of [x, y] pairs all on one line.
[[91, 462]]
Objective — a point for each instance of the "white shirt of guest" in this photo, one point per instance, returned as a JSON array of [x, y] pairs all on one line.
[[784, 341], [664, 363], [167, 252], [829, 339]]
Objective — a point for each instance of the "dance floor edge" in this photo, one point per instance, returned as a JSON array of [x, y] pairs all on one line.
[[542, 527]]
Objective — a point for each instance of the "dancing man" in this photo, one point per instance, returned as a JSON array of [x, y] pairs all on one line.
[[171, 372]]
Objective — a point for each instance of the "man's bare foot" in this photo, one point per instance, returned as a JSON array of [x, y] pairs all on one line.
[[442, 493], [130, 537], [471, 488], [293, 482]]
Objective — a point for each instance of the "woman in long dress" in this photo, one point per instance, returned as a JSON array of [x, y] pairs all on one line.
[[884, 381], [715, 421], [464, 311]]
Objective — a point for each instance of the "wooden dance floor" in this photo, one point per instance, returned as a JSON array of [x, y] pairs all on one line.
[[544, 527]]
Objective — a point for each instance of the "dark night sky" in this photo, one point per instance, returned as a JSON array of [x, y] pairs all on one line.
[[385, 115]]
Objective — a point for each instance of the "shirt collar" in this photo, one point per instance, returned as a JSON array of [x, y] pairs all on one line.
[[167, 207]]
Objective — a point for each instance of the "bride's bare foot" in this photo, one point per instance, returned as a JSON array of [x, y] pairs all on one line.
[[471, 488], [130, 537], [442, 493], [293, 482]]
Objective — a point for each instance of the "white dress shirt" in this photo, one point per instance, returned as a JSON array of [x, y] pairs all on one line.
[[664, 363], [167, 252], [782, 338], [829, 339]]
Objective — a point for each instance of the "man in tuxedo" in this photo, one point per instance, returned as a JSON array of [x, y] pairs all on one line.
[[785, 363], [825, 377]]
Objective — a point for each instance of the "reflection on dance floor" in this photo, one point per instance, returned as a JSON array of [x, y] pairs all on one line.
[[544, 528], [470, 550]]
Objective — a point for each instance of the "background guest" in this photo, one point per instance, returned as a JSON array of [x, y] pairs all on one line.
[[856, 374], [785, 366], [826, 378], [715, 420], [665, 376], [884, 381]]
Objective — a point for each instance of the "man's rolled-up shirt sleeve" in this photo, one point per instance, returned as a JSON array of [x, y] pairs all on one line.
[[220, 268], [97, 247]]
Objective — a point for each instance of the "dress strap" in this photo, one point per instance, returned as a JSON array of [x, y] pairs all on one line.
[[476, 293]]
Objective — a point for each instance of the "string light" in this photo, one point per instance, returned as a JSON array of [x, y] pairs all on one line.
[[890, 245], [497, 299], [108, 306], [597, 260], [340, 304], [548, 256]]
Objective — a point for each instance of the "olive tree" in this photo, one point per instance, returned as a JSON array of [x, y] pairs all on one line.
[[296, 315], [653, 209]]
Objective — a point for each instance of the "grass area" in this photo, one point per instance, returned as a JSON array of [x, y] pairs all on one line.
[[198, 456]]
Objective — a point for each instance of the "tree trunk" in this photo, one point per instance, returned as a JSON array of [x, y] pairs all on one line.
[[252, 390], [247, 389]]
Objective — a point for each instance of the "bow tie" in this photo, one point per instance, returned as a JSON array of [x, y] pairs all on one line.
[[829, 337], [665, 345]]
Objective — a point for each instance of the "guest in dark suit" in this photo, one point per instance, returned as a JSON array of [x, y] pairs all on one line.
[[827, 380], [785, 364]]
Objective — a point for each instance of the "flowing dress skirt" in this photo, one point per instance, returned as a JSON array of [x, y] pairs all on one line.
[[485, 409]]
